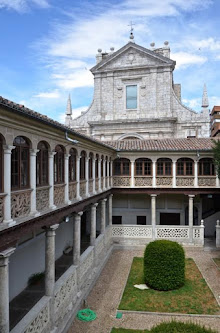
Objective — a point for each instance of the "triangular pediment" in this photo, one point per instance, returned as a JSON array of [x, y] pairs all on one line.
[[132, 55]]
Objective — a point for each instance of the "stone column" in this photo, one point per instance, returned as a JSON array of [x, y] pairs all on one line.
[[93, 175], [153, 214], [196, 173], [77, 238], [104, 176], [103, 212], [33, 163], [108, 176], [93, 224], [78, 197], [50, 260], [110, 209], [191, 197], [111, 174], [99, 174], [132, 173], [4, 290], [7, 185], [174, 173], [51, 180], [217, 180], [217, 233], [87, 175], [154, 173], [66, 175]]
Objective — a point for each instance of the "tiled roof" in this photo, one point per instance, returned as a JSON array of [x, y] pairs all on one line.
[[33, 114], [163, 144]]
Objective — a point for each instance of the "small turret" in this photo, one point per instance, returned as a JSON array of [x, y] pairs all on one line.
[[205, 99]]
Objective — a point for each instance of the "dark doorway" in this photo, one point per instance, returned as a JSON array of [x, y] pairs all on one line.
[[169, 218], [141, 220], [116, 219]]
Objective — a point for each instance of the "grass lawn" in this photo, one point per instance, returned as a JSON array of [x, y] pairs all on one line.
[[217, 261], [194, 297]]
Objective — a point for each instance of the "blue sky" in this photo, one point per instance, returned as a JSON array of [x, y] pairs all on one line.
[[48, 46]]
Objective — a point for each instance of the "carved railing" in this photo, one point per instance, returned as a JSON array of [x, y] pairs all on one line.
[[168, 232], [59, 194], [96, 185], [143, 181], [207, 181], [72, 190], [91, 186], [185, 181], [82, 188], [1, 208], [121, 181], [132, 231], [164, 181], [42, 198], [20, 203]]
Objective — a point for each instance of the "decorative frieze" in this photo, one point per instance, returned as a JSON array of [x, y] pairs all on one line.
[[132, 231], [207, 181], [121, 181], [42, 199], [185, 181], [172, 232], [40, 322], [164, 181], [72, 191], [1, 209], [20, 204], [59, 195], [143, 181]]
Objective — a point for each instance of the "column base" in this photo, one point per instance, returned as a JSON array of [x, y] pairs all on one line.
[[9, 223], [35, 213], [68, 202], [79, 198], [52, 207]]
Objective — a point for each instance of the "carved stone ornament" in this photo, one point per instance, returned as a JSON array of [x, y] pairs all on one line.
[[59, 195], [20, 204], [119, 92], [42, 199], [130, 58], [40, 322], [143, 90]]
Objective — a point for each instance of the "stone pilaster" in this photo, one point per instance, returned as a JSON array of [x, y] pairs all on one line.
[[174, 173], [196, 173], [7, 185], [154, 172], [132, 173]]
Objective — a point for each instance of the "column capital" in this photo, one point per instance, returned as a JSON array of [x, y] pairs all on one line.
[[51, 227], [153, 195], [79, 214], [174, 160], [4, 255], [110, 195], [52, 154], [154, 159], [103, 200], [67, 156], [7, 149], [191, 196], [33, 152], [95, 205]]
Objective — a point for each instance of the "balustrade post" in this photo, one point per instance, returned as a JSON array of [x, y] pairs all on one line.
[[93, 224], [78, 197], [4, 290], [87, 176], [110, 209], [191, 197], [51, 180], [66, 193], [217, 234], [196, 173], [153, 214], [174, 173], [7, 185], [154, 173], [103, 215], [33, 162], [132, 173], [99, 174], [202, 231], [93, 175], [77, 238]]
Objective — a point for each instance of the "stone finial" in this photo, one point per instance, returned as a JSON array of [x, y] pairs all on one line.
[[166, 43], [69, 107], [99, 50], [112, 49], [152, 44], [205, 100]]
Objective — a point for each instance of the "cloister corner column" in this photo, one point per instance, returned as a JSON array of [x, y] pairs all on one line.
[[217, 233], [33, 162], [78, 197], [77, 238], [174, 173], [153, 214], [191, 197], [50, 259], [7, 185], [51, 179], [4, 290], [93, 175], [110, 209], [87, 176], [93, 224], [132, 173], [196, 173], [154, 172], [103, 215], [66, 193]]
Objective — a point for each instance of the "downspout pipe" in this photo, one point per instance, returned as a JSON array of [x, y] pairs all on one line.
[[75, 142]]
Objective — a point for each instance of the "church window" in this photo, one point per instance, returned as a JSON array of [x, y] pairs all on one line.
[[72, 165], [122, 167], [185, 167], [206, 167], [131, 97], [59, 165], [143, 167], [164, 167], [20, 164], [42, 164]]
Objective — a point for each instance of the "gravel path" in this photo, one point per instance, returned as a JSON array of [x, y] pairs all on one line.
[[105, 296]]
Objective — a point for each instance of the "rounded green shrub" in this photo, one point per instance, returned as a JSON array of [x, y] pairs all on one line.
[[164, 265]]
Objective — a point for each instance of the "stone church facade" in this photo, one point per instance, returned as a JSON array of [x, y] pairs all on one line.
[[144, 77]]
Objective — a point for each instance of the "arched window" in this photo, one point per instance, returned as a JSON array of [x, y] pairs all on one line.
[[59, 165], [97, 166], [164, 167], [185, 167], [102, 159], [20, 163], [206, 167], [1, 164], [42, 164], [83, 165], [90, 165], [72, 165], [121, 167], [143, 167]]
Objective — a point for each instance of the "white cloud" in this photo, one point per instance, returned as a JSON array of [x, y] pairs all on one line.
[[184, 59], [210, 44], [23, 5], [51, 94], [75, 113]]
